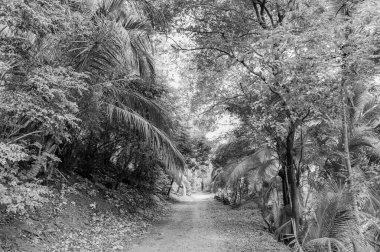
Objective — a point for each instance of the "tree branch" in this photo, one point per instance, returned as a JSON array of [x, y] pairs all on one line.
[[307, 114], [223, 102], [23, 136], [229, 54], [268, 13], [262, 9], [223, 9], [258, 15], [286, 106], [248, 97]]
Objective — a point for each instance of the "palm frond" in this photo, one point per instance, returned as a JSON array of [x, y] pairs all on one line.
[[216, 173], [371, 113], [108, 7], [325, 244], [120, 42], [261, 160], [357, 103], [335, 220], [159, 141], [176, 175], [152, 111], [370, 202], [344, 7], [218, 181], [362, 140], [75, 5], [133, 23], [261, 169], [146, 67], [371, 229], [364, 109], [101, 52], [147, 9], [367, 139]]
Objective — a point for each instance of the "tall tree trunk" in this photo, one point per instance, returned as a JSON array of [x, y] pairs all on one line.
[[285, 189], [281, 150], [345, 51], [291, 178], [347, 160]]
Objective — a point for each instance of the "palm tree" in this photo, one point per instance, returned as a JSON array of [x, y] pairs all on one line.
[[333, 226], [363, 122], [260, 169], [118, 54]]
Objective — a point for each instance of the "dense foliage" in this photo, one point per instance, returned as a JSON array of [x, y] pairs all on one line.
[[79, 94], [302, 77]]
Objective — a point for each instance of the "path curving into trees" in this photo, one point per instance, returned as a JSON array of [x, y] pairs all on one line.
[[201, 223]]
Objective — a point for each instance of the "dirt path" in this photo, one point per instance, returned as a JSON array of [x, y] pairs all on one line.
[[203, 224]]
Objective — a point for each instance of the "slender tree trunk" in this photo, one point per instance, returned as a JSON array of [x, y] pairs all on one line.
[[347, 157], [283, 173], [184, 189], [234, 194], [292, 180], [344, 98], [180, 184], [241, 184], [347, 160], [170, 188]]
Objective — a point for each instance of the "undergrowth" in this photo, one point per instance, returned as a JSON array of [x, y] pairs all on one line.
[[80, 215]]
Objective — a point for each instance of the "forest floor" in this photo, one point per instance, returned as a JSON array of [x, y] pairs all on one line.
[[200, 223], [83, 216]]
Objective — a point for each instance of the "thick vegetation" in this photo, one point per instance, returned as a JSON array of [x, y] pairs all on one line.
[[78, 93], [80, 97], [302, 77]]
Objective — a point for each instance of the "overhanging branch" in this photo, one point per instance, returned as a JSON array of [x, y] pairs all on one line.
[[229, 54]]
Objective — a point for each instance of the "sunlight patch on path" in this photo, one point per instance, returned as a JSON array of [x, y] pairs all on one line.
[[202, 196]]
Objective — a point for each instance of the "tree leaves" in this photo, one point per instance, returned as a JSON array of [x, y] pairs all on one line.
[[158, 140], [73, 72]]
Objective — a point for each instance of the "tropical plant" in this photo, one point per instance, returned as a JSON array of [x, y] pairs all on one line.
[[333, 225], [119, 48], [282, 85], [71, 72]]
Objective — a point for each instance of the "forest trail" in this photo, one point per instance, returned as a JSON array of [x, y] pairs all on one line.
[[201, 223]]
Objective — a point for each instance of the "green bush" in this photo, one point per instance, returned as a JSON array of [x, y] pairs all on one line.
[[18, 196]]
